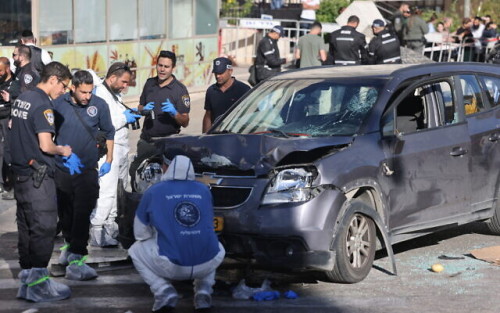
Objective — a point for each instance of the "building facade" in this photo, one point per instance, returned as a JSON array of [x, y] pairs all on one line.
[[92, 34]]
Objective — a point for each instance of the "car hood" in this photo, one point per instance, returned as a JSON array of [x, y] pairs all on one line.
[[249, 154]]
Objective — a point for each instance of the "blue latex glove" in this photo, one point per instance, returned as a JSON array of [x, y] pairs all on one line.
[[149, 106], [266, 295], [131, 116], [290, 294], [73, 163], [105, 168], [169, 108]]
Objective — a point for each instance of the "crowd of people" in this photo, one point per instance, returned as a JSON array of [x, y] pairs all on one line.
[[65, 148], [348, 46]]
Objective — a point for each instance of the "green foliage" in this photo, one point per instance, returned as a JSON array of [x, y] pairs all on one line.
[[232, 8], [329, 10], [488, 7]]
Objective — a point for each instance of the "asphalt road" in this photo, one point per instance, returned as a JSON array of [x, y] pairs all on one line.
[[466, 285]]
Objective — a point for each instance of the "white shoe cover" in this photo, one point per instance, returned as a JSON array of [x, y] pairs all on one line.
[[78, 270], [23, 277], [202, 300], [40, 288], [168, 297], [63, 257]]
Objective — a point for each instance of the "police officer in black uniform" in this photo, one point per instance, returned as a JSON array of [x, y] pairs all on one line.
[[168, 102], [267, 61], [79, 115], [384, 48], [348, 46], [32, 149], [26, 76]]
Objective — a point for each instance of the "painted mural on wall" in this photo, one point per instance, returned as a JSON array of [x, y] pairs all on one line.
[[194, 59]]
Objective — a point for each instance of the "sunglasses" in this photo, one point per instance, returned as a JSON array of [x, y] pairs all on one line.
[[125, 68]]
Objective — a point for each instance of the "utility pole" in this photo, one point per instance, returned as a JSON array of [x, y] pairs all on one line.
[[466, 8]]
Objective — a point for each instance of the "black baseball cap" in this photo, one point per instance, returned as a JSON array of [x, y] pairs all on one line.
[[378, 23], [278, 30], [221, 65]]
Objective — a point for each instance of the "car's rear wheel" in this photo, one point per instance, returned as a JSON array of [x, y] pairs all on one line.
[[355, 247]]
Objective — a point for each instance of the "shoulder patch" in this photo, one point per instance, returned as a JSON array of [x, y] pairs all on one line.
[[92, 111], [28, 79], [49, 116], [186, 101]]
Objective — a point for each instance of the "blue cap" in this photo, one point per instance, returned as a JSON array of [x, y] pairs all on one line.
[[277, 29], [378, 23], [221, 65]]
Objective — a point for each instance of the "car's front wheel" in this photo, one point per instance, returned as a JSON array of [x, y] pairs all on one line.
[[355, 247], [494, 223]]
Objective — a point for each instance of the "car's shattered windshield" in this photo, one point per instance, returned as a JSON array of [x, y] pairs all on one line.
[[306, 108]]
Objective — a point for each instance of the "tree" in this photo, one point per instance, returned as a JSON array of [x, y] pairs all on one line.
[[329, 10]]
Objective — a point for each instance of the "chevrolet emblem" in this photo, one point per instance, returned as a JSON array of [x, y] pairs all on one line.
[[208, 179]]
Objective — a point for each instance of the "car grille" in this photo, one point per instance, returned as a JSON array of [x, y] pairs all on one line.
[[229, 197]]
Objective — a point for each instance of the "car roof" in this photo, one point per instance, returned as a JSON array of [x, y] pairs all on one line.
[[403, 70]]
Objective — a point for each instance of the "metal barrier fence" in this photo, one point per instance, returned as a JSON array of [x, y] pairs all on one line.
[[449, 48], [240, 38]]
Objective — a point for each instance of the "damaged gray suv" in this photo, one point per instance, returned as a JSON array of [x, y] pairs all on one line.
[[313, 166]]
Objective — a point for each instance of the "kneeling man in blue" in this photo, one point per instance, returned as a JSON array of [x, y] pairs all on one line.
[[175, 236]]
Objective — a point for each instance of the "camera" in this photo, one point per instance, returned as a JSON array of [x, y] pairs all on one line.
[[135, 125]]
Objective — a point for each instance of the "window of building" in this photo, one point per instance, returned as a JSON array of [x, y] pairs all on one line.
[[152, 19], [206, 17], [54, 31], [90, 21], [122, 20], [180, 15], [15, 17]]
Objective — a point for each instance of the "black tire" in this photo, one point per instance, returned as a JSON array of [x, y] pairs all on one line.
[[494, 223], [355, 247]]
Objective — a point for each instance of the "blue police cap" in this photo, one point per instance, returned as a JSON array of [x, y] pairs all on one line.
[[221, 65], [378, 23]]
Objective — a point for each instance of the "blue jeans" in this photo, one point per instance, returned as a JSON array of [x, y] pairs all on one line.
[[276, 4]]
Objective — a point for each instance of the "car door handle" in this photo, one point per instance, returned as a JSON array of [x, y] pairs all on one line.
[[494, 137], [458, 151]]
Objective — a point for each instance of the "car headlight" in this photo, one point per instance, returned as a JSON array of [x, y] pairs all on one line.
[[290, 185]]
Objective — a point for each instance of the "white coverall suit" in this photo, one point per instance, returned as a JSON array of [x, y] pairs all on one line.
[[175, 237], [104, 228]]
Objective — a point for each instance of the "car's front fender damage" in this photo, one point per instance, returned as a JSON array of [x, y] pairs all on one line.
[[352, 207], [291, 235]]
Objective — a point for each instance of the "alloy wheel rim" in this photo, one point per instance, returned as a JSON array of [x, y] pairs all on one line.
[[358, 241]]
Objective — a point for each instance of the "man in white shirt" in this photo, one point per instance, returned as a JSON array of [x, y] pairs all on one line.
[[308, 15]]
